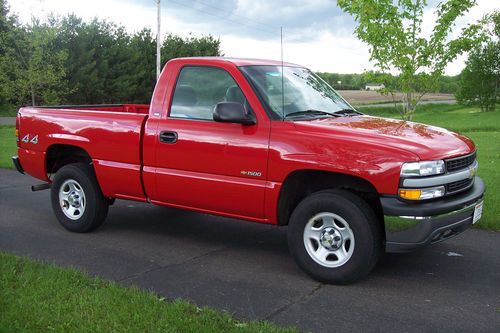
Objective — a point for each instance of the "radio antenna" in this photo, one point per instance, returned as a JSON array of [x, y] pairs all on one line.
[[282, 77]]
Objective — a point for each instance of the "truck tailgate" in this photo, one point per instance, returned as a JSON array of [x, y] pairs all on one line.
[[111, 139]]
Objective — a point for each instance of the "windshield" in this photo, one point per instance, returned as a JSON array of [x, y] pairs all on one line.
[[303, 90]]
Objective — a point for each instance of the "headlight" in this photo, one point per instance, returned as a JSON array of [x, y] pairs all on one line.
[[424, 168], [421, 194]]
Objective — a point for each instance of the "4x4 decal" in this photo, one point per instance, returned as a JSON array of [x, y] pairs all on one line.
[[26, 139]]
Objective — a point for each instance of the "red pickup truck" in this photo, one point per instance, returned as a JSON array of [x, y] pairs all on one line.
[[260, 141]]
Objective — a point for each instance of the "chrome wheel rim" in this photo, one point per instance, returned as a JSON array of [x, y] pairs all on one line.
[[328, 239], [72, 199]]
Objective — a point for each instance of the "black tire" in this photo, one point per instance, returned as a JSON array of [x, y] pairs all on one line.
[[94, 204], [362, 225]]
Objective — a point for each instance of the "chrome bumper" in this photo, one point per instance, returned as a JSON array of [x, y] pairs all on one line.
[[416, 225]]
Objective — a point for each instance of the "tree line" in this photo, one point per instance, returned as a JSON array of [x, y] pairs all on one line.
[[69, 61], [65, 60], [445, 84]]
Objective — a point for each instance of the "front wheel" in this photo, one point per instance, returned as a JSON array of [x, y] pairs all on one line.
[[76, 198], [334, 236]]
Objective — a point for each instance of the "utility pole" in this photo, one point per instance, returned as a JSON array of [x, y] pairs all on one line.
[[158, 45]]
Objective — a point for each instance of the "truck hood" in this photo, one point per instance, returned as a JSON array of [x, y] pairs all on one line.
[[427, 142]]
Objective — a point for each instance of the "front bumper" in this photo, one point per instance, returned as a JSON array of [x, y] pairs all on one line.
[[409, 226]]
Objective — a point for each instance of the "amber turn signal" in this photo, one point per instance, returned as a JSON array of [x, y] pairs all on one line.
[[421, 194], [410, 194]]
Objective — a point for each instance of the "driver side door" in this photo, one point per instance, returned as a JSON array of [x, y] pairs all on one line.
[[206, 165]]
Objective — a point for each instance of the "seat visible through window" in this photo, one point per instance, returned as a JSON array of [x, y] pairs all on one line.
[[234, 94], [185, 95], [199, 89]]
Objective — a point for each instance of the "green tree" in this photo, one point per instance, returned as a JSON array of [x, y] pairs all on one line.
[[88, 62], [347, 81], [143, 60], [5, 28], [67, 60], [175, 46], [448, 84], [9, 61], [480, 80], [393, 31], [105, 64], [40, 78]]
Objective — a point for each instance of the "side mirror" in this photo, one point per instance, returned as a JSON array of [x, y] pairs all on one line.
[[233, 112]]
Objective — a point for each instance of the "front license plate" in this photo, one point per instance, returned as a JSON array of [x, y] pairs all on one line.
[[478, 210]]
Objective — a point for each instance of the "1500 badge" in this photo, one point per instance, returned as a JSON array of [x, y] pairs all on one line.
[[251, 173]]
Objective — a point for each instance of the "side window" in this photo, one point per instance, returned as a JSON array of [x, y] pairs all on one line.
[[199, 89]]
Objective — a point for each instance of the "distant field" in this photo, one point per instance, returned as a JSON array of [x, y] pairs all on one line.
[[359, 97]]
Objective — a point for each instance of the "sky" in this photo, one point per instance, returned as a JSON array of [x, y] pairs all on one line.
[[316, 33]]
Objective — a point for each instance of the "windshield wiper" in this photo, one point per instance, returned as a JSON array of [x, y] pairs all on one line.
[[346, 112], [311, 112]]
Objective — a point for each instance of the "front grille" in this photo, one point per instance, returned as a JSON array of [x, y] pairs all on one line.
[[459, 185], [462, 162]]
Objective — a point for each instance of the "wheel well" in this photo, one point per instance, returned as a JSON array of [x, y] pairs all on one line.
[[60, 155], [300, 184]]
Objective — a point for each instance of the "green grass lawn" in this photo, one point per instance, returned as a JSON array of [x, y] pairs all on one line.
[[488, 147], [7, 146], [454, 117], [37, 297], [483, 128]]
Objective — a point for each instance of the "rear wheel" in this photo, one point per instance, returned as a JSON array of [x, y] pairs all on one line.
[[334, 236], [76, 198]]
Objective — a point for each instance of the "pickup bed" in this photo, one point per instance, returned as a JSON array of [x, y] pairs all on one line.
[[261, 141]]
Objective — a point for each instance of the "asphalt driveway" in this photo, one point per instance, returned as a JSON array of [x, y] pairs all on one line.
[[245, 268]]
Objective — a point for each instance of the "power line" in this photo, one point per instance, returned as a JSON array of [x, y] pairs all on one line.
[[217, 15], [158, 37], [272, 28], [255, 27]]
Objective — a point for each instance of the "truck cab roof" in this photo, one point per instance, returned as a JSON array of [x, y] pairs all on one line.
[[236, 61]]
